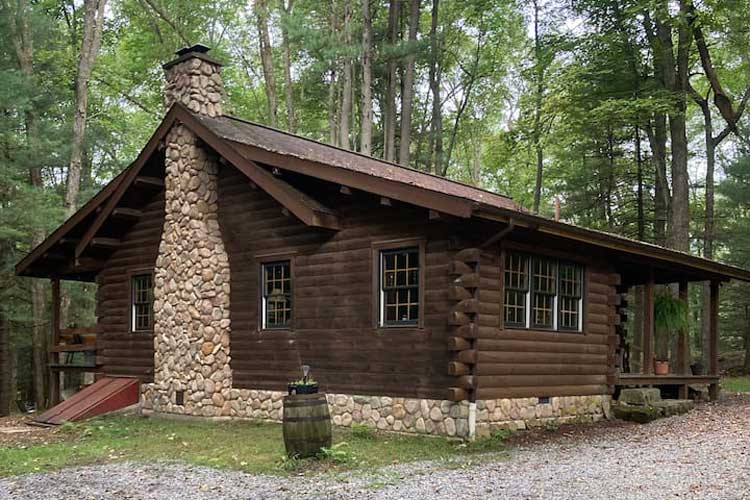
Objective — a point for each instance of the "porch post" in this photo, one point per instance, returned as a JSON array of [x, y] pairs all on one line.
[[683, 346], [713, 318], [54, 358], [648, 326]]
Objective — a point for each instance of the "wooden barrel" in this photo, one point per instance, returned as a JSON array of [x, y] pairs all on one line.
[[307, 424]]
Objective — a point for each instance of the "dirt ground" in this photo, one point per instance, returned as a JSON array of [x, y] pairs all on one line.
[[15, 432]]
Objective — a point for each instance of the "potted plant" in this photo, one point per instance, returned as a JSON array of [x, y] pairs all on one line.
[[670, 317], [304, 385]]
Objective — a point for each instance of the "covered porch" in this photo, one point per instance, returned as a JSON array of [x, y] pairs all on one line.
[[637, 351]]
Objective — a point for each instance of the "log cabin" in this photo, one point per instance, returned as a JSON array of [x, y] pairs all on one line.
[[229, 253]]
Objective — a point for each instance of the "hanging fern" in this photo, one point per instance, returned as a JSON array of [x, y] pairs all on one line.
[[670, 313]]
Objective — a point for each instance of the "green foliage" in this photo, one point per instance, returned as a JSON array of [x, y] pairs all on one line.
[[736, 384], [670, 312], [363, 431], [339, 453], [495, 442]]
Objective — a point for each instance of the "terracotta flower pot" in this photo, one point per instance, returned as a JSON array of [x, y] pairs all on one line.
[[661, 367]]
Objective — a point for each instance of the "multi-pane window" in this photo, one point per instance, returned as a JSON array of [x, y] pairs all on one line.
[[516, 288], [542, 293], [277, 294], [570, 296], [399, 287], [142, 303], [543, 290]]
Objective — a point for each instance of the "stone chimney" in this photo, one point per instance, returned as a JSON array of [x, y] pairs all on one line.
[[192, 374], [194, 79]]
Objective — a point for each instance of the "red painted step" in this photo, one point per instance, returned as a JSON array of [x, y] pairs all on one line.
[[105, 395]]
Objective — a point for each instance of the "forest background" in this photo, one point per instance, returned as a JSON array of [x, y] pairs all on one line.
[[630, 114]]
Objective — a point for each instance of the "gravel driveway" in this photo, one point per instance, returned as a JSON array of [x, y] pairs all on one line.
[[705, 454]]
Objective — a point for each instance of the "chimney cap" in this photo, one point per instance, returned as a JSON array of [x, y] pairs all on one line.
[[198, 51], [198, 47]]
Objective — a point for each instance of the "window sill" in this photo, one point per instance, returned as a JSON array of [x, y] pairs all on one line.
[[271, 331], [139, 332], [540, 330]]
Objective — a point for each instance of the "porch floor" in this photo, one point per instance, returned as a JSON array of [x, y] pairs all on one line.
[[628, 379]]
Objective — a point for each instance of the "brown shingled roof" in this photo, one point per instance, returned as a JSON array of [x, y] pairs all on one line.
[[283, 143]]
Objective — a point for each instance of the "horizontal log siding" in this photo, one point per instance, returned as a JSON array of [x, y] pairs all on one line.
[[334, 329], [514, 363], [118, 350]]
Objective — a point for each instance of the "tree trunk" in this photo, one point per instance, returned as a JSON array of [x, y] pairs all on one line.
[[676, 80], [6, 397], [266, 59], [407, 99], [291, 118], [93, 22], [436, 125], [346, 98], [389, 127], [25, 52], [538, 100], [366, 128], [747, 340], [639, 166]]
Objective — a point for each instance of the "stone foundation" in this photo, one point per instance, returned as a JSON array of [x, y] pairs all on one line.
[[418, 416]]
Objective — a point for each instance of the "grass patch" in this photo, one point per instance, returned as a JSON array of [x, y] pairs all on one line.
[[241, 445], [736, 384]]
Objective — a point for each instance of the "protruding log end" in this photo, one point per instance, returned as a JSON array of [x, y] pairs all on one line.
[[457, 394]]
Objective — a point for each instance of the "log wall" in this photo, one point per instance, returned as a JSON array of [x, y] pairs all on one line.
[[119, 351], [334, 329], [518, 363]]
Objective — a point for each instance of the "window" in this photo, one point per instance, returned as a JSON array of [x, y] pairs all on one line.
[[542, 293], [543, 280], [142, 299], [516, 289], [277, 295], [399, 287], [571, 293]]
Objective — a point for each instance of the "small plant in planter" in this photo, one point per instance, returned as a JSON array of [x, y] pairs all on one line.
[[304, 385], [670, 317]]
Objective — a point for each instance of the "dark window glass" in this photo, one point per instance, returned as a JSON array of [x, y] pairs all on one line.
[[399, 286], [571, 293], [142, 287], [516, 289], [277, 294], [544, 289]]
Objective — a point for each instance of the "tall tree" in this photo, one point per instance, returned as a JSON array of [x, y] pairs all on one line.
[[436, 120], [346, 90], [266, 59], [407, 98], [366, 89], [538, 101], [291, 118], [389, 128], [93, 24]]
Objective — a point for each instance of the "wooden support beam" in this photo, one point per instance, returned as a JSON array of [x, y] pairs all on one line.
[[648, 325], [105, 242], [148, 181], [55, 358], [127, 213], [466, 382], [713, 318], [470, 306], [683, 344]]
